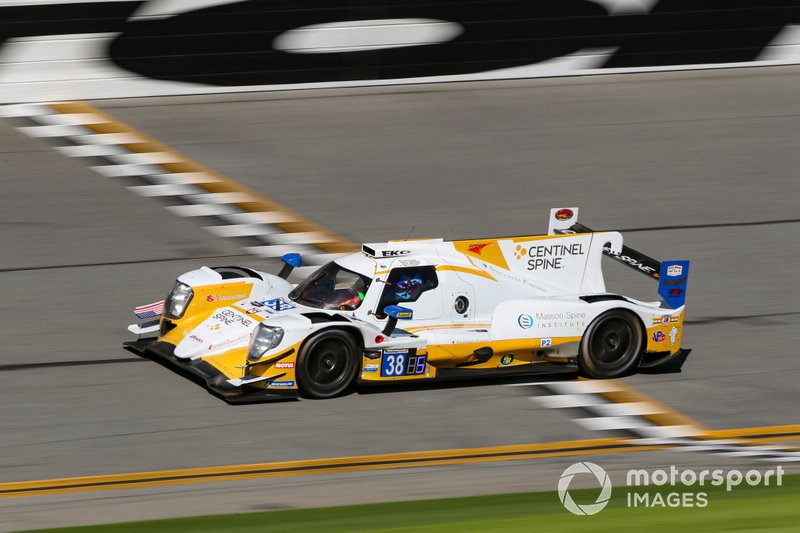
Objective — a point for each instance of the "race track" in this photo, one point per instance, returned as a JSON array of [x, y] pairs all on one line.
[[700, 165]]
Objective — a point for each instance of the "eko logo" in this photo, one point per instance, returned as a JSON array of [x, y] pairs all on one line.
[[525, 321], [602, 479]]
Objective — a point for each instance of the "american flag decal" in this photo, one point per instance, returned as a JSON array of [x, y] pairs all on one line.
[[150, 310]]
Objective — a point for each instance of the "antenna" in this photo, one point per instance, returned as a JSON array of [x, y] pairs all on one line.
[[410, 232]]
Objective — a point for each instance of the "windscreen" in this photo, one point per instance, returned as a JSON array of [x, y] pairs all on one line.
[[332, 287]]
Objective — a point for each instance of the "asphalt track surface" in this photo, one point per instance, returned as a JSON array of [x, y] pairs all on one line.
[[710, 157]]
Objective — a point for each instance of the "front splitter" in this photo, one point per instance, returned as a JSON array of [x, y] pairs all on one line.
[[204, 374]]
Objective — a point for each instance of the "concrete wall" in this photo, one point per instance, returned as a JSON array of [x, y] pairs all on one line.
[[83, 49]]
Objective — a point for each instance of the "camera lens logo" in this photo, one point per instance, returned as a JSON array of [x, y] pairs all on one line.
[[602, 479], [525, 321]]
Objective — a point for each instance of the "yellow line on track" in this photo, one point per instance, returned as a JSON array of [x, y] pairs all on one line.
[[367, 462], [334, 244]]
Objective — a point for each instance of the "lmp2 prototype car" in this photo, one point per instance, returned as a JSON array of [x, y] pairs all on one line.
[[482, 307]]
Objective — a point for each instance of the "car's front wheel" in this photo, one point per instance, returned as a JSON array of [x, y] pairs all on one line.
[[612, 345], [327, 364]]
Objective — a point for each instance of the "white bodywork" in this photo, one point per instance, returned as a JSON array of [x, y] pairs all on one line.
[[523, 291]]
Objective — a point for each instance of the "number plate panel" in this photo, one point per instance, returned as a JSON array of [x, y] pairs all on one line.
[[402, 362]]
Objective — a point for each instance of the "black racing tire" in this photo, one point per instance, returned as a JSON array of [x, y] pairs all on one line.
[[327, 364], [612, 345]]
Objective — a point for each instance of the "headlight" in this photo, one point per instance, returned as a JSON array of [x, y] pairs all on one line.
[[178, 300], [262, 339]]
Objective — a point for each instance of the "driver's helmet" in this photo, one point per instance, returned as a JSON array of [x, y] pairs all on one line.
[[409, 288]]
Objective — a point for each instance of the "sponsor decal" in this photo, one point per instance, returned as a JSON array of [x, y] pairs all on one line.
[[507, 359], [546, 343], [631, 261], [675, 292], [275, 305], [197, 339], [218, 298], [674, 271], [408, 263], [564, 214], [658, 336], [215, 327], [284, 364], [664, 319], [253, 310], [370, 368], [394, 253], [229, 317], [547, 256], [673, 336], [476, 248], [281, 383], [566, 319], [525, 321]]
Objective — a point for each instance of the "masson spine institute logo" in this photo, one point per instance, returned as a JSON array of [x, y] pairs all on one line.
[[584, 468]]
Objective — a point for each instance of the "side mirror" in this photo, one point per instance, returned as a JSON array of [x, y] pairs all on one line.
[[290, 262], [395, 313]]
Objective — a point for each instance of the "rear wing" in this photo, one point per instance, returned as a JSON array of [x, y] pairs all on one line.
[[672, 276]]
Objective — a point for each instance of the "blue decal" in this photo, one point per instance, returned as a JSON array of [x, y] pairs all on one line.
[[672, 282], [281, 384], [400, 313], [275, 305], [525, 321], [398, 363]]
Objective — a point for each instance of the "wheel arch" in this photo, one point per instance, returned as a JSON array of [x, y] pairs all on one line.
[[314, 389], [639, 320], [351, 329], [631, 309], [614, 309]]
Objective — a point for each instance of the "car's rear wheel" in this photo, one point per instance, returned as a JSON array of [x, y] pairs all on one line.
[[612, 345], [327, 364]]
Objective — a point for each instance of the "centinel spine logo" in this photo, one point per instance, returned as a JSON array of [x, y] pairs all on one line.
[[587, 509]]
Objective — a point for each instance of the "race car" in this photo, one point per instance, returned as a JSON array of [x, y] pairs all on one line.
[[415, 310]]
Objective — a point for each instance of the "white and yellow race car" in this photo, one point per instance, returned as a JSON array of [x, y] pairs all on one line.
[[413, 310]]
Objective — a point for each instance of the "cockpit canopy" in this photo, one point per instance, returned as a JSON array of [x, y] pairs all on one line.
[[332, 287]]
